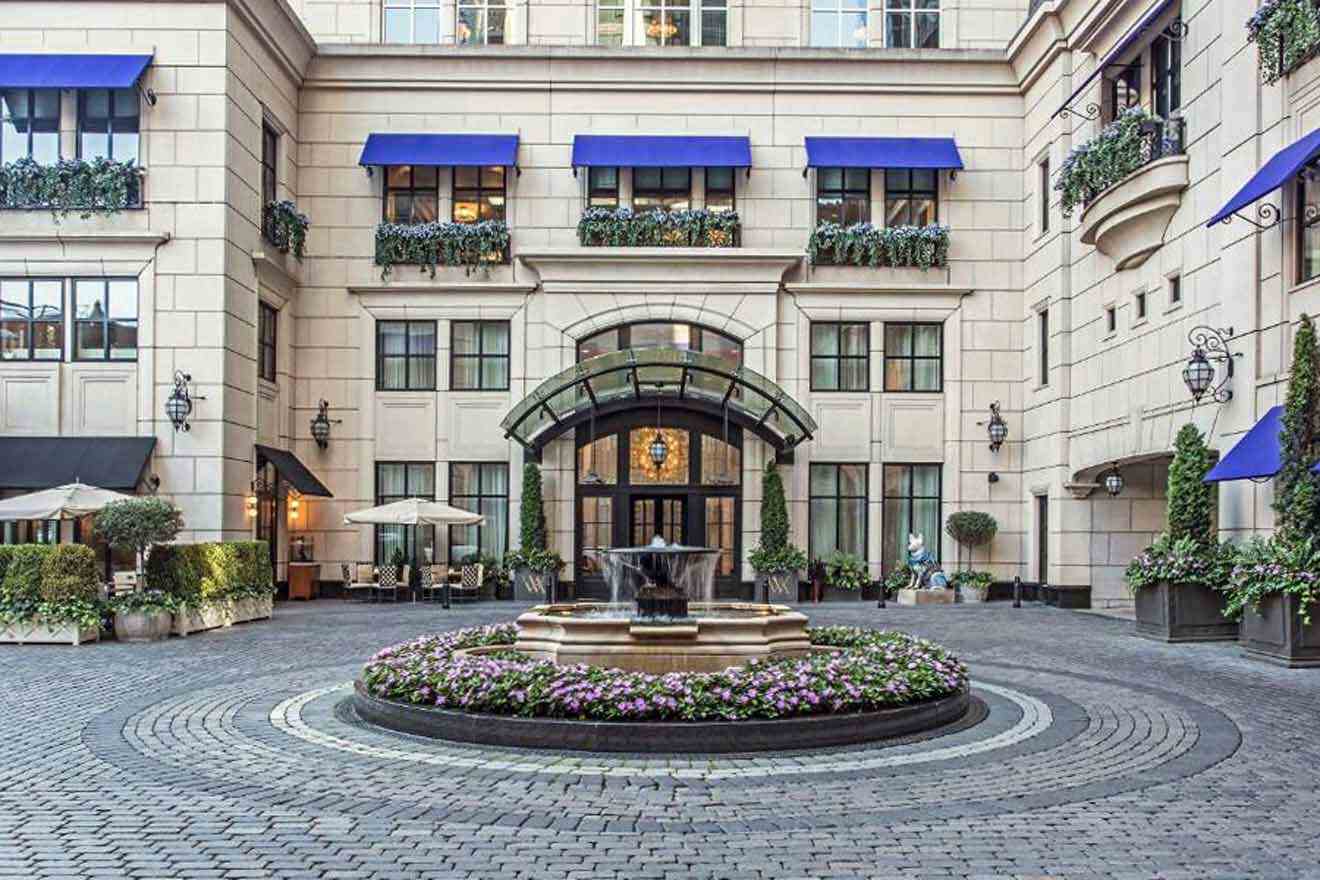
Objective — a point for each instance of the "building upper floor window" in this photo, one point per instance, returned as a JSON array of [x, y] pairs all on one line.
[[481, 22], [30, 125], [31, 319], [839, 24], [1308, 223], [843, 195], [669, 189], [662, 22], [914, 357], [105, 314], [479, 356], [412, 21], [479, 194], [270, 151], [912, 24], [1043, 345], [840, 356], [267, 338], [1043, 195], [1123, 90], [1166, 63], [720, 189], [109, 124], [603, 187], [911, 197], [412, 194], [405, 355]]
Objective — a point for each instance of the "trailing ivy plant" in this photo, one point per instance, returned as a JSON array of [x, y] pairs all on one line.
[[862, 244], [82, 186], [1293, 23], [622, 227], [286, 227], [1104, 160], [428, 245]]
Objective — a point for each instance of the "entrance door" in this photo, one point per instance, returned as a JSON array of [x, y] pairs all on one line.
[[664, 516]]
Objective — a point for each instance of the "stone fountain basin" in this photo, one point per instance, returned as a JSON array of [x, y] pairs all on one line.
[[714, 637]]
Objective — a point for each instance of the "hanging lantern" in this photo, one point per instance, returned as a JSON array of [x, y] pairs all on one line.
[[1209, 347], [180, 405], [1113, 481], [321, 424], [658, 450], [1198, 374], [998, 428]]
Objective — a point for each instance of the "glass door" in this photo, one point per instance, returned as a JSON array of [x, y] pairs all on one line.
[[663, 516]]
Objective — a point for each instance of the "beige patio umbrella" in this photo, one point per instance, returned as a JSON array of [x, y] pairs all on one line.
[[415, 512], [63, 502]]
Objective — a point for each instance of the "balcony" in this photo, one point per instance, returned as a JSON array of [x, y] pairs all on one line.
[[621, 227], [1127, 219]]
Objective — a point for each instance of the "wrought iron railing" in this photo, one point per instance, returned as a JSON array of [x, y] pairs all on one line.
[[1157, 139]]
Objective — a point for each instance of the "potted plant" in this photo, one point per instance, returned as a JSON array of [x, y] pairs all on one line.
[[143, 615], [971, 528], [845, 577], [535, 569], [972, 586], [775, 561], [49, 594], [138, 524]]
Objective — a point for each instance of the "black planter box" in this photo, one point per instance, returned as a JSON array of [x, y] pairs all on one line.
[[522, 593], [1065, 597], [1277, 635], [835, 594], [1004, 590], [1183, 613]]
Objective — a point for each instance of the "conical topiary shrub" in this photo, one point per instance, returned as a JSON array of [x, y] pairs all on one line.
[[1191, 499], [1297, 486]]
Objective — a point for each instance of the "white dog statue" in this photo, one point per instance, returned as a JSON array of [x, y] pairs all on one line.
[[925, 570]]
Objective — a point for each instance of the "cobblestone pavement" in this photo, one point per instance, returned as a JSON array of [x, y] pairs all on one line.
[[234, 754]]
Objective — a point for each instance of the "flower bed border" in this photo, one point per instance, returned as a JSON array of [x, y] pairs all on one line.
[[660, 737]]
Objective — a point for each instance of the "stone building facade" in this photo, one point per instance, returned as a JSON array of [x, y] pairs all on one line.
[[1075, 327]]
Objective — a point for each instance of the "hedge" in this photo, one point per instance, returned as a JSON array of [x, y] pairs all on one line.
[[55, 583], [203, 574]]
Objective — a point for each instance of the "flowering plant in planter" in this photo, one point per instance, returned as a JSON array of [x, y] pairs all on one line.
[[85, 186], [1181, 561], [972, 581], [862, 244], [896, 580], [1270, 566], [286, 227], [622, 227], [1117, 151], [846, 571], [1290, 25], [428, 245]]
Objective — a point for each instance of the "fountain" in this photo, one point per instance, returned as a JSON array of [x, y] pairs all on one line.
[[662, 617]]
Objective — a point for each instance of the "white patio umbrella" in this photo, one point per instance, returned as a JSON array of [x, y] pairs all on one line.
[[63, 502], [415, 512]]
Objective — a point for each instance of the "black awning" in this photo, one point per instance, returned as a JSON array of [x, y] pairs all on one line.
[[45, 462], [293, 471]]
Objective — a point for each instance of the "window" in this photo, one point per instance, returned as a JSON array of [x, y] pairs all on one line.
[[1111, 320], [838, 24], [603, 187], [1308, 223], [108, 124], [655, 334], [911, 197], [610, 22], [1166, 59], [31, 320], [480, 22], [1125, 90], [397, 481], [105, 319], [267, 335], [912, 506], [1044, 345], [597, 531], [666, 22], [479, 194], [662, 22], [481, 488], [30, 125], [479, 356], [721, 533], [1141, 306], [843, 195], [914, 357], [412, 21], [412, 194], [270, 150], [912, 24], [1044, 196], [837, 509], [669, 189], [720, 189], [840, 356], [405, 355], [714, 22], [1175, 289]]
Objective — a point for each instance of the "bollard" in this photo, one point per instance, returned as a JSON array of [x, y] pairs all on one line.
[[1017, 591], [883, 590]]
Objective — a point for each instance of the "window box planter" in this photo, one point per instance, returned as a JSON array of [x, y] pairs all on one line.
[[1276, 634], [71, 186], [1127, 222], [30, 632], [1287, 35], [875, 247], [143, 626], [472, 246], [604, 227], [1183, 613]]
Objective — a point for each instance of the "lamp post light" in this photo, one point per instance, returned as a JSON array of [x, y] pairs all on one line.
[[1209, 347], [1113, 481], [179, 405], [321, 424]]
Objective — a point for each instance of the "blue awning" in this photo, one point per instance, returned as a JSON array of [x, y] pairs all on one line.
[[1274, 174], [47, 71], [1133, 34], [436, 150], [883, 152], [1256, 456], [661, 151]]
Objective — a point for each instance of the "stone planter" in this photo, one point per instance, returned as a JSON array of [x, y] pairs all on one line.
[[246, 610], [1275, 633], [31, 632], [534, 586], [143, 626], [201, 618], [973, 596], [782, 586], [926, 597], [1183, 613]]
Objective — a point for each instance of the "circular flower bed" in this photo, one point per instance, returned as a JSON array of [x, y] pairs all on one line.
[[872, 670]]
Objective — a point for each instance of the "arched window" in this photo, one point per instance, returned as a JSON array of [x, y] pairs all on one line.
[[663, 334]]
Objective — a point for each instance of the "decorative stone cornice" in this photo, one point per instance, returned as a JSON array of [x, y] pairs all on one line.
[[615, 268]]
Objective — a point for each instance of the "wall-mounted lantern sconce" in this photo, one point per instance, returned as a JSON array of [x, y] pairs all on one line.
[[997, 428], [251, 501], [180, 403], [1113, 481], [295, 504], [1209, 347], [321, 424], [993, 478]]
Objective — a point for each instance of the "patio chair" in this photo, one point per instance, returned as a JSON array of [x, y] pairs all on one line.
[[124, 582], [358, 584], [390, 580], [433, 578], [468, 587]]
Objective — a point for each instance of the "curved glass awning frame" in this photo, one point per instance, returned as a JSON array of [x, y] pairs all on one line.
[[665, 376]]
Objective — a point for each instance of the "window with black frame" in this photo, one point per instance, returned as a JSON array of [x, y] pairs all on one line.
[[30, 125], [412, 194], [843, 195], [912, 507], [479, 356], [270, 150], [479, 487], [31, 319], [109, 123], [669, 189], [398, 481], [1124, 90], [1166, 61], [914, 357], [840, 356], [912, 24], [603, 187], [836, 510], [1308, 222], [720, 188], [911, 197], [479, 194], [267, 337], [405, 355], [105, 313]]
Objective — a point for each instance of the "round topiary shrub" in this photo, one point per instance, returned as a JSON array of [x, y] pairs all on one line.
[[68, 574], [971, 528]]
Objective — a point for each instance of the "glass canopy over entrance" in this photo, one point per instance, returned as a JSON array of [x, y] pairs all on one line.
[[691, 380]]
